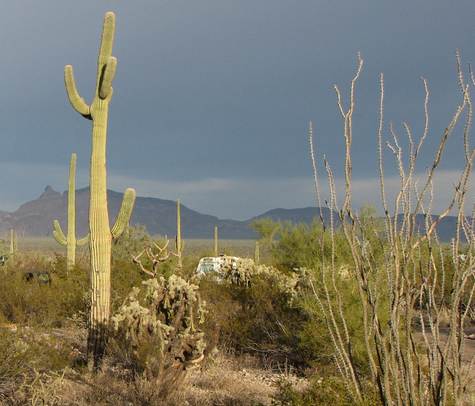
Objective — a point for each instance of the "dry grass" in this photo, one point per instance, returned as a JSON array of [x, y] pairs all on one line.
[[227, 380], [234, 381]]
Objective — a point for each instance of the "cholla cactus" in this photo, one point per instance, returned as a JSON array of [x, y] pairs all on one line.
[[70, 241], [100, 233], [157, 327], [242, 272]]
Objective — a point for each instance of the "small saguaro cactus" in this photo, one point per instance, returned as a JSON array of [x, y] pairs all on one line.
[[216, 253], [180, 244], [256, 253], [13, 242], [100, 233], [70, 241]]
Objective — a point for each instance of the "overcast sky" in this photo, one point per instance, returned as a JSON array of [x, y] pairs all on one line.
[[212, 98]]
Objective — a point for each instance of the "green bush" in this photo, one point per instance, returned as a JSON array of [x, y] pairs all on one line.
[[23, 355], [259, 317], [35, 302], [281, 325], [298, 245], [130, 243], [328, 390]]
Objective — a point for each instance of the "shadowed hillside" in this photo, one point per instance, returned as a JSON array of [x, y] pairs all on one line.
[[35, 217]]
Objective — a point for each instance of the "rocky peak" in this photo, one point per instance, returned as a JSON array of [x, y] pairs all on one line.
[[49, 193]]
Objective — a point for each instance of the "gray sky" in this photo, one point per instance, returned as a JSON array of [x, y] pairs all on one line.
[[212, 97]]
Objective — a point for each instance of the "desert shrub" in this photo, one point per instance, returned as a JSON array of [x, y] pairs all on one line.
[[294, 246], [321, 391], [272, 311], [254, 310], [131, 241], [124, 276], [24, 355], [13, 359], [108, 389], [316, 338], [37, 303], [299, 245], [157, 332]]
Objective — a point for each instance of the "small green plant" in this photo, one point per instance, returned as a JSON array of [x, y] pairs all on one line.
[[323, 390]]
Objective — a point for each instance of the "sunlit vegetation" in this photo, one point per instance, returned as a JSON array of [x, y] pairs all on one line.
[[355, 308]]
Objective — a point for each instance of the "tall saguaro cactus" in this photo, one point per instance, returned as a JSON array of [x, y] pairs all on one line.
[[100, 233], [70, 241]]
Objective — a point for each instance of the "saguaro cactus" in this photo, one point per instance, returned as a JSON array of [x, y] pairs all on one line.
[[216, 241], [70, 241], [13, 242], [179, 242], [100, 233], [257, 253]]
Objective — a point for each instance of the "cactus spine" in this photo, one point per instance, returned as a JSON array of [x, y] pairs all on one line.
[[215, 241], [179, 242], [70, 241], [100, 233]]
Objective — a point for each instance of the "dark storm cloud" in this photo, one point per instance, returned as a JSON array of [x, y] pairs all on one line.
[[221, 90]]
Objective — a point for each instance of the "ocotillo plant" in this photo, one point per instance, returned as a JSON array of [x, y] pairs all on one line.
[[179, 242], [216, 241], [100, 233], [70, 241]]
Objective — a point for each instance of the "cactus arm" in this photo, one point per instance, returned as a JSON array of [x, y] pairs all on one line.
[[75, 99], [72, 199], [58, 233], [105, 89], [124, 213], [82, 241], [105, 50]]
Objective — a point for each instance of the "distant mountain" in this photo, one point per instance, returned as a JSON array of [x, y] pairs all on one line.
[[304, 215], [445, 229], [159, 216]]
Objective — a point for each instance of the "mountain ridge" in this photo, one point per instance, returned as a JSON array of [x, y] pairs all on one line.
[[35, 217]]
